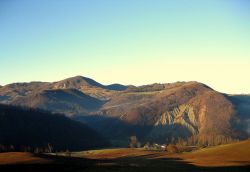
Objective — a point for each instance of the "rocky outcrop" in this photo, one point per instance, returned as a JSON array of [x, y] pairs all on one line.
[[179, 111], [183, 115]]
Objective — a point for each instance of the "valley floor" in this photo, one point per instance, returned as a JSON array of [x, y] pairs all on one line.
[[231, 157]]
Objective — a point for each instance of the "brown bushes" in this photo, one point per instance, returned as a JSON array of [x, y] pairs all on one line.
[[172, 149]]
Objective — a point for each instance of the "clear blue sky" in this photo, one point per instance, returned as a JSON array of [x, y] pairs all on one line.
[[127, 41]]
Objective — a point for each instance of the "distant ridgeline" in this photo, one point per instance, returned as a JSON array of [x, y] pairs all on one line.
[[29, 130]]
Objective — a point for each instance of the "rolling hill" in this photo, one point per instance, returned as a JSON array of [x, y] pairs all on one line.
[[235, 154]]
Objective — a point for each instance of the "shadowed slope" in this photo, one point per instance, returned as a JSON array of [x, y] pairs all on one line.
[[117, 87], [66, 101], [35, 128]]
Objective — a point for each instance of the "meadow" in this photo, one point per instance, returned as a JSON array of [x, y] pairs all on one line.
[[230, 157]]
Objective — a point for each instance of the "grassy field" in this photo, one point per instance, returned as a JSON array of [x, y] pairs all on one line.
[[21, 158], [235, 154], [232, 157]]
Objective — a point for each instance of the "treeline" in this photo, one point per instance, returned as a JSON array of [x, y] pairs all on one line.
[[11, 148], [211, 140], [177, 143], [198, 140]]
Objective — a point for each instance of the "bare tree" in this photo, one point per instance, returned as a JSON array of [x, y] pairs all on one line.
[[50, 148]]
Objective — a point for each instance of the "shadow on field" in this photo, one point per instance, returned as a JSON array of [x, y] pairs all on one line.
[[140, 163]]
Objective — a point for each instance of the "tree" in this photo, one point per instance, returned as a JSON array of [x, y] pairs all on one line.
[[12, 148], [172, 148], [134, 142], [68, 153], [147, 146]]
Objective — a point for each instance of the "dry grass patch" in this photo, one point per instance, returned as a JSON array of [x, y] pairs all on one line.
[[113, 153], [20, 158], [234, 154]]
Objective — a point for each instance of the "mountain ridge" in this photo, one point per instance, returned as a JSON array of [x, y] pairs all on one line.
[[153, 112]]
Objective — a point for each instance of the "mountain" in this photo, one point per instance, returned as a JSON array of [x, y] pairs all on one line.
[[162, 112], [242, 106], [156, 112], [11, 91], [192, 105], [67, 101], [77, 82], [88, 86], [35, 128], [72, 96]]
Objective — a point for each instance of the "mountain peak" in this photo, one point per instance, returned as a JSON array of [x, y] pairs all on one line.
[[77, 82]]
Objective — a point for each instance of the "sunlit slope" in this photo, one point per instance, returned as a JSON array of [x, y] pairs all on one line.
[[114, 153], [234, 154], [20, 158]]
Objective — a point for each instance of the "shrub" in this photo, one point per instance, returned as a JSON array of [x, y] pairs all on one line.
[[172, 148]]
